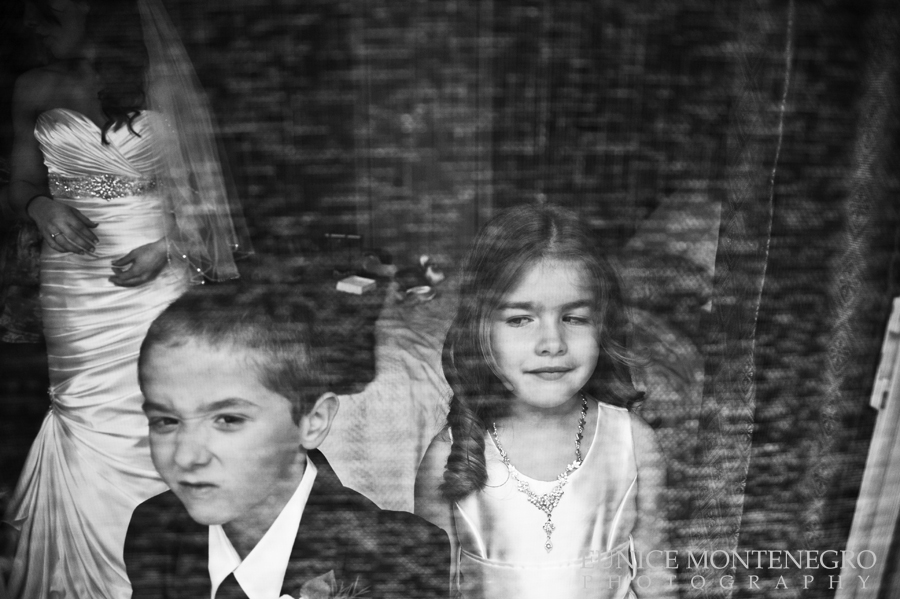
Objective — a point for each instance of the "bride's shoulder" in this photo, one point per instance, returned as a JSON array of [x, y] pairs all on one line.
[[38, 89], [38, 78]]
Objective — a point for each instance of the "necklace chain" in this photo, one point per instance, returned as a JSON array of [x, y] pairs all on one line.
[[548, 501]]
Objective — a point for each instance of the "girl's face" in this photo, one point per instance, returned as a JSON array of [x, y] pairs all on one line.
[[544, 336], [63, 38]]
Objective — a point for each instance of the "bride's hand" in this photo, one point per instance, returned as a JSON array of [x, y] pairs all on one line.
[[140, 265], [64, 228]]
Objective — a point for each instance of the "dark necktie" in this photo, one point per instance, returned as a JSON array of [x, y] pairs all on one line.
[[230, 589]]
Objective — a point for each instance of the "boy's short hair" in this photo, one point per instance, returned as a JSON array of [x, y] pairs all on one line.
[[275, 328]]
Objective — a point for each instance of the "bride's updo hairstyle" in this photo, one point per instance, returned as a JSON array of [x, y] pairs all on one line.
[[113, 30], [502, 253]]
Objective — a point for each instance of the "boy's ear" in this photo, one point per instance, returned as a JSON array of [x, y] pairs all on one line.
[[315, 425]]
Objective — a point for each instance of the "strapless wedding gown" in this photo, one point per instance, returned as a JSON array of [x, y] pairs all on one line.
[[501, 535], [90, 464]]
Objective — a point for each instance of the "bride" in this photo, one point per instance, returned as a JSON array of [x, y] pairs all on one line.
[[115, 162]]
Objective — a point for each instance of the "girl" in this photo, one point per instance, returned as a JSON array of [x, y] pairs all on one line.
[[546, 484]]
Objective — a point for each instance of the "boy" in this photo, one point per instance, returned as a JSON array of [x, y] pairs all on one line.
[[237, 403]]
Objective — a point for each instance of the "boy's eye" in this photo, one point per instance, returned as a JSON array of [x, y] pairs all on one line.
[[230, 420], [162, 424]]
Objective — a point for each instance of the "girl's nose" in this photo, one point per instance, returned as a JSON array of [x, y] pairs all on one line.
[[551, 341], [191, 448]]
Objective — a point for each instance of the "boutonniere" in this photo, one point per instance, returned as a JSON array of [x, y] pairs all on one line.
[[327, 587]]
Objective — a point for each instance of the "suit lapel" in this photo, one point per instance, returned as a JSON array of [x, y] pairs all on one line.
[[328, 532], [322, 539], [191, 567]]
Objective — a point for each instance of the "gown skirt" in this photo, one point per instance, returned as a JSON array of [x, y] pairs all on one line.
[[90, 465]]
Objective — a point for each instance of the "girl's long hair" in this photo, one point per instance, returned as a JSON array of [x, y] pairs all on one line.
[[503, 251], [113, 27]]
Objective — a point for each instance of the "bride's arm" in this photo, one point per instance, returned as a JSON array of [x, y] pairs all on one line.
[[28, 174], [64, 229], [143, 263], [140, 265]]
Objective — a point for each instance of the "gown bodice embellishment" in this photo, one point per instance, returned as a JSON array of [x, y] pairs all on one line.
[[105, 186]]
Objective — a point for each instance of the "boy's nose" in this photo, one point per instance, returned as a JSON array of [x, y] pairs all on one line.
[[190, 449]]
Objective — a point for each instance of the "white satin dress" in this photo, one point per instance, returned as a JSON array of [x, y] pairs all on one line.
[[501, 536], [90, 464]]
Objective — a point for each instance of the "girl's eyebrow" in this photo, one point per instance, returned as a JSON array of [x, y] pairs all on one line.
[[579, 303], [582, 303], [516, 306]]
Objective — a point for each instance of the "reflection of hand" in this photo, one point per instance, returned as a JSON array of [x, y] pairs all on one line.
[[140, 265], [64, 228]]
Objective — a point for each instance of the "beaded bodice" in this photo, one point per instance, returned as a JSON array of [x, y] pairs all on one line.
[[79, 165], [112, 184]]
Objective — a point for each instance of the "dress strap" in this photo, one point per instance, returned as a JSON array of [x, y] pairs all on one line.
[[473, 531], [613, 527]]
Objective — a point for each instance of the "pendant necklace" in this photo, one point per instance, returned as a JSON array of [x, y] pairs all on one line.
[[548, 501]]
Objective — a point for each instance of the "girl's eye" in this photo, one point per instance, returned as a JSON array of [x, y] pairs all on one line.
[[573, 319], [518, 321]]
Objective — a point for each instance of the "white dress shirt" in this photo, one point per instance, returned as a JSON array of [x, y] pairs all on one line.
[[261, 573]]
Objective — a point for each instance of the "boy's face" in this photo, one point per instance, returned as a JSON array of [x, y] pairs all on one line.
[[225, 445]]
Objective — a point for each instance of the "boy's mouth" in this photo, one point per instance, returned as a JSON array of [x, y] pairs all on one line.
[[196, 489]]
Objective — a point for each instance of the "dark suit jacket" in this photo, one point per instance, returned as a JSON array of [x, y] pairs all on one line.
[[392, 554]]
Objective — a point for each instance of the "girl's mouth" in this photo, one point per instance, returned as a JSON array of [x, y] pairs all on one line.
[[550, 373]]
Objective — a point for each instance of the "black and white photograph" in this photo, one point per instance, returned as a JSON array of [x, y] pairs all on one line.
[[449, 298]]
